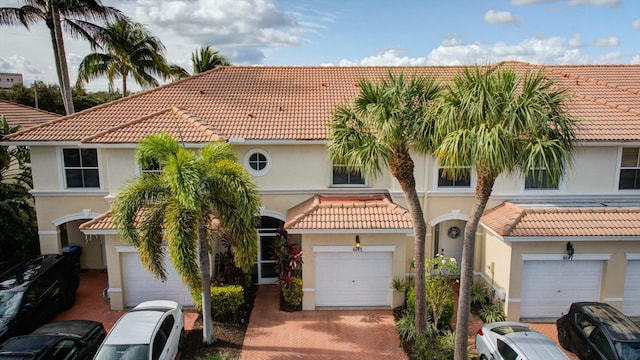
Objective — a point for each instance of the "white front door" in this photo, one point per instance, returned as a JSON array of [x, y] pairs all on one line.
[[550, 286], [353, 279], [631, 305]]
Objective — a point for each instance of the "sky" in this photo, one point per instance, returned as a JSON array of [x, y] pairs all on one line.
[[356, 33]]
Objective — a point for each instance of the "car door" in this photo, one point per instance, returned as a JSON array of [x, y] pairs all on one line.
[[162, 347], [64, 349], [600, 344], [581, 330]]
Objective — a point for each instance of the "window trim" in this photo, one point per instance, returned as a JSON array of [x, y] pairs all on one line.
[[333, 184], [436, 177], [619, 169], [63, 174], [247, 165], [561, 186]]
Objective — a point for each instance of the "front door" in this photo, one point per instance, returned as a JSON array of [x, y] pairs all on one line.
[[266, 265]]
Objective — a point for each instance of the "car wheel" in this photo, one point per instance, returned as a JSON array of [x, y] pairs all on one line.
[[68, 299], [563, 338], [483, 357]]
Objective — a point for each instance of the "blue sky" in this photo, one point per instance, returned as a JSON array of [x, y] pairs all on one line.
[[350, 32]]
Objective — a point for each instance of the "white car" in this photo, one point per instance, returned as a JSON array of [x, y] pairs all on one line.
[[151, 330], [515, 341]]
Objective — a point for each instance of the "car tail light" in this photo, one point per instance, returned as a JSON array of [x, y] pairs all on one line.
[[480, 332]]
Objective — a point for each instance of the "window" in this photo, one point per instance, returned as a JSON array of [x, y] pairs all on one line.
[[152, 169], [81, 168], [343, 177], [446, 182], [506, 351], [600, 342], [258, 162], [539, 180], [630, 169]]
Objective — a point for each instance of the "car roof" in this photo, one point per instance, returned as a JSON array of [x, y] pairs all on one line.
[[157, 304], [25, 272], [78, 328], [525, 340], [28, 343], [610, 320], [134, 327]]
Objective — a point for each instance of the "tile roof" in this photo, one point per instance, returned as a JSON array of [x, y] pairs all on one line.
[[24, 116], [296, 103], [509, 219], [101, 222], [348, 212]]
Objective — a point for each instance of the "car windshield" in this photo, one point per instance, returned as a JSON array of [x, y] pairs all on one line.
[[9, 303], [124, 352], [628, 350]]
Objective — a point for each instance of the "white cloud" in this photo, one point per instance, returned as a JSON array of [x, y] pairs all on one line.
[[575, 41], [501, 17], [636, 24], [611, 3], [611, 41], [610, 58], [387, 58], [635, 60]]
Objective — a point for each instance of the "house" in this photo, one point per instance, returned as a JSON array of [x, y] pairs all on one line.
[[24, 116], [7, 80], [537, 248]]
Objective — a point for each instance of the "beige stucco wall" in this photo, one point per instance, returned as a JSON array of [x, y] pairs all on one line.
[[496, 252], [45, 168], [119, 166], [593, 171]]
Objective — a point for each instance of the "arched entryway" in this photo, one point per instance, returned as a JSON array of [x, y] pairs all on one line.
[[264, 271], [448, 235]]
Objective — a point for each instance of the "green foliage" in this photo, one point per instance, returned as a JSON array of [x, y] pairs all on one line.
[[49, 98], [227, 272], [206, 58], [492, 313], [288, 256], [411, 300], [438, 347], [226, 300], [439, 289], [479, 295], [292, 291], [406, 327]]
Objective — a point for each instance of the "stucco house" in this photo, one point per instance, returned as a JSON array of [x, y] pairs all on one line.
[[276, 119]]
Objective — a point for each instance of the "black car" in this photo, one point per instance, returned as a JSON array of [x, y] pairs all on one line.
[[72, 339], [595, 331], [34, 291]]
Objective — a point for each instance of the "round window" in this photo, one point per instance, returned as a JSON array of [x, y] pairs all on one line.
[[258, 162]]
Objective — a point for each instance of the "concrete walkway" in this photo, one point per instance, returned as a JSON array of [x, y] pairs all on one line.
[[322, 334]]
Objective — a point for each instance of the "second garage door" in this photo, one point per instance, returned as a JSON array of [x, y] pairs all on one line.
[[631, 305], [549, 287], [139, 285], [346, 279]]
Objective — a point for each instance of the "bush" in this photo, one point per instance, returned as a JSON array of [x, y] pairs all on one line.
[[428, 347], [447, 311], [406, 327], [226, 300], [411, 301], [292, 291], [479, 296], [492, 313]]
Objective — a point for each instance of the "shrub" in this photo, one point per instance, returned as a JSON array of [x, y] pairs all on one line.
[[292, 291], [406, 327], [411, 300], [492, 313], [226, 300], [427, 347], [479, 295]]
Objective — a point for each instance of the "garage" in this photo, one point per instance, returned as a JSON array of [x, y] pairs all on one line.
[[550, 286], [631, 305], [139, 285], [353, 279]]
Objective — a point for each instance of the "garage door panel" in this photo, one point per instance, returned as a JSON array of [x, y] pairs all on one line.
[[631, 305]]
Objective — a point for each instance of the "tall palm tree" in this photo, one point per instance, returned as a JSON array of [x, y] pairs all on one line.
[[206, 59], [75, 15], [130, 50], [379, 130], [499, 122], [180, 203]]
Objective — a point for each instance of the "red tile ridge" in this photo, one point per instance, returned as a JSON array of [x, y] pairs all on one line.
[[125, 125], [87, 225], [195, 120], [607, 104]]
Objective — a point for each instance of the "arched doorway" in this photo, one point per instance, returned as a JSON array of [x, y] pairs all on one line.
[[265, 268]]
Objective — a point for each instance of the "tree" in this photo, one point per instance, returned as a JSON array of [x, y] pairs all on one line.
[[206, 59], [75, 15], [130, 50], [379, 130], [47, 97], [499, 122], [180, 203]]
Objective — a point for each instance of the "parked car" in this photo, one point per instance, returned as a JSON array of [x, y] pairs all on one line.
[[513, 340], [34, 291], [595, 331], [72, 340], [151, 330]]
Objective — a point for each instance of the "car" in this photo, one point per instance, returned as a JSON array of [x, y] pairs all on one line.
[[71, 339], [152, 330], [511, 340], [595, 330], [34, 291]]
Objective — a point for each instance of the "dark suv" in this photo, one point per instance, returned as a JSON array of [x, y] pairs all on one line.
[[34, 291], [595, 331]]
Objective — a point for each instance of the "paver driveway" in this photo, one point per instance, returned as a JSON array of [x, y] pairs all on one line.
[[322, 334]]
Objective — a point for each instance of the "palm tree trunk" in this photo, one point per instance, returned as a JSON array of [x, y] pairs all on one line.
[[61, 60], [483, 192], [208, 337], [124, 84]]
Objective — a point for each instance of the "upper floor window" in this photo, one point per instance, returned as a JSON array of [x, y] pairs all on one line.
[[153, 168], [538, 179], [463, 181], [81, 168], [630, 169], [343, 177], [258, 162]]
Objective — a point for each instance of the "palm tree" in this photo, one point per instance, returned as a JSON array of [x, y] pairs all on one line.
[[75, 15], [130, 50], [206, 59], [387, 121], [180, 204], [499, 122]]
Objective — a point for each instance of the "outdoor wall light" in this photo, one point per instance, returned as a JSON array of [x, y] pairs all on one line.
[[570, 251], [357, 247]]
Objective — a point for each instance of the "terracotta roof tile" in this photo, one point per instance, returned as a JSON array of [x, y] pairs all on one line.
[[101, 222], [348, 212], [512, 220], [24, 116], [296, 103]]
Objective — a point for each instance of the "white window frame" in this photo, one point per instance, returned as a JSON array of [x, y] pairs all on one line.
[[333, 184], [436, 177], [247, 162], [619, 168], [560, 188], [63, 174]]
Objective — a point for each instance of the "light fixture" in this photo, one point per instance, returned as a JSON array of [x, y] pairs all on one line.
[[357, 247], [570, 251]]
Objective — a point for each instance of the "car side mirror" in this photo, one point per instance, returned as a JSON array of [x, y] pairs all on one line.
[[28, 306]]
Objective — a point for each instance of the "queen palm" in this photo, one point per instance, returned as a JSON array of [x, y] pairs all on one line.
[[130, 50], [498, 121], [180, 204], [75, 15], [206, 59], [378, 131]]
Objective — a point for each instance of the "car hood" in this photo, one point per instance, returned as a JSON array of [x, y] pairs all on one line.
[[4, 326]]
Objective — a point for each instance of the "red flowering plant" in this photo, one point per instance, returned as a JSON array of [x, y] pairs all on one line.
[[288, 258]]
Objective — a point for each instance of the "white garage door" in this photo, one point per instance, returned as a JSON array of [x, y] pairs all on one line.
[[631, 305], [353, 279], [140, 285], [549, 287]]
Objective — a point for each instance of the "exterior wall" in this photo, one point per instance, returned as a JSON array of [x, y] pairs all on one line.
[[118, 167], [399, 266], [494, 265], [7, 80], [46, 168], [594, 171]]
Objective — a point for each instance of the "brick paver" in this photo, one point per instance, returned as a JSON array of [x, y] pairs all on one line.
[[320, 334]]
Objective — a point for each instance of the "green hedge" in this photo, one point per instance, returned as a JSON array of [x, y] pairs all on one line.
[[225, 300]]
